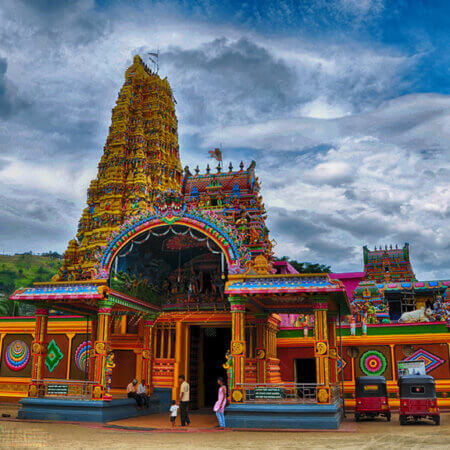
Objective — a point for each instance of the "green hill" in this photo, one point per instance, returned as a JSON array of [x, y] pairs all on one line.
[[17, 271]]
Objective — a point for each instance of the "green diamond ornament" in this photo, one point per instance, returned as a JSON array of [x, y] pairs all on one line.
[[54, 356]]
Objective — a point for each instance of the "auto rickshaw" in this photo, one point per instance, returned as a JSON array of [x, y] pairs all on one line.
[[418, 399], [371, 398]]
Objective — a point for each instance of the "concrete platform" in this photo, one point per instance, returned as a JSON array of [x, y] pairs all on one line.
[[83, 410], [279, 416]]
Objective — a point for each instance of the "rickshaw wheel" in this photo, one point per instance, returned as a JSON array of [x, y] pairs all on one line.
[[388, 417], [437, 420], [402, 420]]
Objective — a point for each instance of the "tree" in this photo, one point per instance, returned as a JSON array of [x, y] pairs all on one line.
[[14, 309], [306, 267]]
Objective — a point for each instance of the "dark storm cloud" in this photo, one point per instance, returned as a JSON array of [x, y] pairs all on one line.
[[231, 80], [10, 102], [364, 227], [294, 224], [47, 6], [342, 159], [330, 252], [44, 218]]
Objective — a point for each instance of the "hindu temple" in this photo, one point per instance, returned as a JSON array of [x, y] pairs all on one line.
[[173, 271]]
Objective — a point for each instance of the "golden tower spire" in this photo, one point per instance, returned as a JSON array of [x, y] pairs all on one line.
[[140, 159]]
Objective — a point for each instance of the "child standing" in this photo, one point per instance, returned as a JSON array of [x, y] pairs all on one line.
[[173, 412]]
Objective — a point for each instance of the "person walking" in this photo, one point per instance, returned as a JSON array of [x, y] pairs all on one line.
[[219, 407], [173, 412], [184, 400]]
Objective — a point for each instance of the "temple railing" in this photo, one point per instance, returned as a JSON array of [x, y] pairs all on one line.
[[66, 389], [287, 393]]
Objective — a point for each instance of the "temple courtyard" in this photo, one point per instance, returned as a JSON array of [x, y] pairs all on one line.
[[154, 432]]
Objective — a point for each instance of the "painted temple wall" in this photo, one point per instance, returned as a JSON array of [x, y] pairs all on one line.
[[67, 336]]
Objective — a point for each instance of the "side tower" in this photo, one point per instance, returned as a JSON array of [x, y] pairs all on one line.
[[140, 159], [388, 264]]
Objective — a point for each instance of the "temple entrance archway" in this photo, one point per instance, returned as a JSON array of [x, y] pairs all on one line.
[[171, 266]]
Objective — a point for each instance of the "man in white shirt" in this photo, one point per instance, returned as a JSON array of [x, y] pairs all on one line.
[[142, 392], [184, 400], [131, 393]]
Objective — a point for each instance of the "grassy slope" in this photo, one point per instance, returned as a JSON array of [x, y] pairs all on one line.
[[18, 271]]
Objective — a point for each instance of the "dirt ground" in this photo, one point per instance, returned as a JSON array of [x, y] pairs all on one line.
[[363, 435]]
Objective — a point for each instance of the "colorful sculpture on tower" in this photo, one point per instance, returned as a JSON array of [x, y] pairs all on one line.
[[140, 161]]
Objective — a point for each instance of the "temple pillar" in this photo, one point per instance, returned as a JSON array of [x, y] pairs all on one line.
[[101, 349], [273, 374], [237, 347], [321, 351], [147, 351], [39, 352], [261, 347], [178, 368], [333, 349], [91, 353]]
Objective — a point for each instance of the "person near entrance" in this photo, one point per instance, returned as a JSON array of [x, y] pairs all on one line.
[[184, 400], [173, 412], [219, 407], [131, 393], [142, 392]]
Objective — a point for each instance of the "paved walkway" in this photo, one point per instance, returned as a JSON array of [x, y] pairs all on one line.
[[199, 421], [368, 436]]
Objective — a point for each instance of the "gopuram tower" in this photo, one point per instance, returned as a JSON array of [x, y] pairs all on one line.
[[140, 160]]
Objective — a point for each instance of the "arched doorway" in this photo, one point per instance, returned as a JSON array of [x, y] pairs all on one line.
[[172, 266]]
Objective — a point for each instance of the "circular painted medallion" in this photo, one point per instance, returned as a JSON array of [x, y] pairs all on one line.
[[373, 363], [82, 355], [17, 355]]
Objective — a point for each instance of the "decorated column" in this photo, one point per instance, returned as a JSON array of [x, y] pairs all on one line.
[[147, 351], [273, 374], [321, 351], [39, 352], [91, 353], [101, 349], [261, 347], [237, 347], [332, 341]]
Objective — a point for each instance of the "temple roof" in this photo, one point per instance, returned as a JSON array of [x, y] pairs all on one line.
[[282, 293], [415, 285], [80, 298], [282, 285]]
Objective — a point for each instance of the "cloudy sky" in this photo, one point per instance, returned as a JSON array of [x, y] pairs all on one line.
[[344, 105]]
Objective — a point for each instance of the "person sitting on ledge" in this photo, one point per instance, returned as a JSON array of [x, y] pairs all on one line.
[[131, 393], [142, 392]]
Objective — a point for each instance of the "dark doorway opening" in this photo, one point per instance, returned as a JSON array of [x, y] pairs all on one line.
[[216, 342], [305, 370]]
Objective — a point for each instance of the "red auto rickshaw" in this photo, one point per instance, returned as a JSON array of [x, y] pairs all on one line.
[[371, 398], [418, 399]]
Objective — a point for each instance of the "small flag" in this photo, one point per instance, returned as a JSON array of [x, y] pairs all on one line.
[[216, 153]]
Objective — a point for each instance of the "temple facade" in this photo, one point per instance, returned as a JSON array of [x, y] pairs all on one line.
[[172, 272]]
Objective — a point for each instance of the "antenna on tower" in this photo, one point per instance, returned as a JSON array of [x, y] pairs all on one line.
[[154, 58]]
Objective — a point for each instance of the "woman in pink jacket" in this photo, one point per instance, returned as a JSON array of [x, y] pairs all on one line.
[[219, 407]]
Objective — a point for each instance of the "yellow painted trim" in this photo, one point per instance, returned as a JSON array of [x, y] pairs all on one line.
[[438, 338], [138, 374], [69, 354], [178, 337], [59, 283], [391, 346], [287, 275], [2, 335]]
